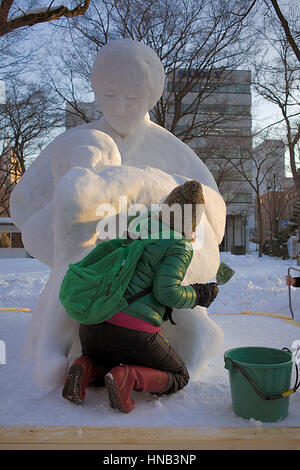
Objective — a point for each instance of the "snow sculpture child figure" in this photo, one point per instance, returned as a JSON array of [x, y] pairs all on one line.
[[55, 203], [132, 337]]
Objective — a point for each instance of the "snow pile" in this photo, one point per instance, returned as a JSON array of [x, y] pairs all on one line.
[[257, 286]]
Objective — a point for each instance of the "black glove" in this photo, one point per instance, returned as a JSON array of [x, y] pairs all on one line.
[[206, 293]]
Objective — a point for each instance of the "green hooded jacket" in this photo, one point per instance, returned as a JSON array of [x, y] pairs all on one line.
[[163, 266], [99, 285]]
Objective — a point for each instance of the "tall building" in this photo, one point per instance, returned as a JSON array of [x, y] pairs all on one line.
[[217, 113], [280, 209], [269, 157]]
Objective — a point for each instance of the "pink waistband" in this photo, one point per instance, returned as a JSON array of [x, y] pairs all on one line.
[[133, 323]]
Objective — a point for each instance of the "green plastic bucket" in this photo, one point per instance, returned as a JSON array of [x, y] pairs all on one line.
[[260, 380]]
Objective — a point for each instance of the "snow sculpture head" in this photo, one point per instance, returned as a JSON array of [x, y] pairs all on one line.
[[126, 97]]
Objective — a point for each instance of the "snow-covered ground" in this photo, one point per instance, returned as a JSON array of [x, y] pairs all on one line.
[[257, 286]]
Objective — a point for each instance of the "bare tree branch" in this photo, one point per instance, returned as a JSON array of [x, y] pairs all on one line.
[[285, 25], [26, 121], [33, 17]]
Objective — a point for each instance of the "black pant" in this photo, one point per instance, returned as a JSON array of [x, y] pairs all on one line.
[[109, 345]]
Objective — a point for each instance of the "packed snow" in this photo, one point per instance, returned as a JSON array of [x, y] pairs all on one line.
[[257, 286]]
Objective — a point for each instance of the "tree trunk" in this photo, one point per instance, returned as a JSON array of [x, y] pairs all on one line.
[[295, 171], [260, 225]]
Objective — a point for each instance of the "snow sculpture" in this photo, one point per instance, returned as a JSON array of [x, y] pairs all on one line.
[[124, 153]]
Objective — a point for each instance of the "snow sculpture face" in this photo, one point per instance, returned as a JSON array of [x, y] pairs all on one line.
[[128, 79], [123, 106]]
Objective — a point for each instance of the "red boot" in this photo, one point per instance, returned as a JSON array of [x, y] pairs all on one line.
[[122, 380], [82, 372]]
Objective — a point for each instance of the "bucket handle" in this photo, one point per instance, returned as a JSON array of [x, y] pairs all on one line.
[[257, 390]]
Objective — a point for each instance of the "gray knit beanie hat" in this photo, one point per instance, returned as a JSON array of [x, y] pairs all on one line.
[[190, 200]]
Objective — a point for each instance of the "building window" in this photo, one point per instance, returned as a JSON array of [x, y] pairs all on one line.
[[244, 198], [213, 109], [234, 131], [237, 88], [201, 131], [11, 240], [232, 175], [4, 240]]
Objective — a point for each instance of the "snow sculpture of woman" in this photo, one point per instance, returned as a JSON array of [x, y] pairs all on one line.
[[124, 153]]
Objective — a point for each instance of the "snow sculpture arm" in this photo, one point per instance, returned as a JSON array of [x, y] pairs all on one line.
[[36, 187], [90, 149], [33, 191], [31, 203]]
